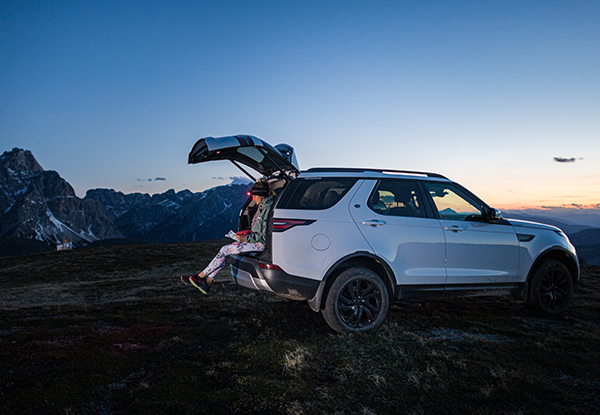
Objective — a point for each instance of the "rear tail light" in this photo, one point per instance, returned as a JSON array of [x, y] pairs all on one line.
[[280, 225], [265, 265]]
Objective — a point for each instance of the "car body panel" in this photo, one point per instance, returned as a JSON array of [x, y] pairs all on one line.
[[537, 240], [480, 252], [246, 149], [532, 225], [412, 247], [309, 251]]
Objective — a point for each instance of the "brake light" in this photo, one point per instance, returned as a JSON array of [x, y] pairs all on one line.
[[265, 265], [280, 225]]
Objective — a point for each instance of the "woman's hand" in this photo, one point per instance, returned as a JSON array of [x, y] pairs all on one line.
[[241, 237]]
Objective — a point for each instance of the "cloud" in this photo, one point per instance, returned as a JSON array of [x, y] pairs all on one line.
[[565, 160], [149, 180], [234, 179], [239, 180]]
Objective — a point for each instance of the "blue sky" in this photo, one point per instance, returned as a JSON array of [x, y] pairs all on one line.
[[488, 93]]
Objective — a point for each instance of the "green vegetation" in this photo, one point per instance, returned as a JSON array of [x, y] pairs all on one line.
[[112, 330]]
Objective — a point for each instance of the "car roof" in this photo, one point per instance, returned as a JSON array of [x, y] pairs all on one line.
[[366, 173]]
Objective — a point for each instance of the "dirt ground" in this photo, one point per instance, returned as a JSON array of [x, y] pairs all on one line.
[[112, 330]]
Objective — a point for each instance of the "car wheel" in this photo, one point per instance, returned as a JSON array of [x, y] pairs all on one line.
[[357, 301], [551, 289]]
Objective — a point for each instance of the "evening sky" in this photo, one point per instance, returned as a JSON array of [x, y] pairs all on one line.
[[502, 96]]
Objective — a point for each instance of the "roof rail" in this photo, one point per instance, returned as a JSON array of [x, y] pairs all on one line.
[[360, 170]]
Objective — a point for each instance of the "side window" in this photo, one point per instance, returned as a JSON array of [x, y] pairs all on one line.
[[315, 193], [452, 204], [396, 198]]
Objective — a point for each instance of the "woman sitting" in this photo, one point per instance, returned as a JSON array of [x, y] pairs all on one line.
[[252, 241]]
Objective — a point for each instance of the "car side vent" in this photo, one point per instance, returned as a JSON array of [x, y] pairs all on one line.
[[525, 238]]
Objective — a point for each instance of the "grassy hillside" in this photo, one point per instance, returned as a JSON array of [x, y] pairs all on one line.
[[111, 330], [10, 246]]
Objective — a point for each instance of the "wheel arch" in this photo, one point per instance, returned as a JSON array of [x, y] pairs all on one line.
[[557, 254], [356, 259]]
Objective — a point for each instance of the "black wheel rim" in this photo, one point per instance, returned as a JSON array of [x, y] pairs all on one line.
[[554, 289], [359, 303]]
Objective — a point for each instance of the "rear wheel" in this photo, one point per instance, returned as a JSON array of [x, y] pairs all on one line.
[[357, 301], [551, 289]]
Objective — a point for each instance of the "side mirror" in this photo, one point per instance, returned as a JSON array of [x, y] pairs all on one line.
[[493, 215]]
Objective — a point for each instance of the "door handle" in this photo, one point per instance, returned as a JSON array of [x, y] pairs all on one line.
[[374, 222], [454, 228]]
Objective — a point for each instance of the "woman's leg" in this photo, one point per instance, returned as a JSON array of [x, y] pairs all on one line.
[[218, 262]]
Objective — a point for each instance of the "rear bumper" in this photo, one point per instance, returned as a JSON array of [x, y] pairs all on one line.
[[247, 273]]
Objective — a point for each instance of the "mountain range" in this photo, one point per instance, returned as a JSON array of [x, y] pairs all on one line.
[[38, 204], [39, 209]]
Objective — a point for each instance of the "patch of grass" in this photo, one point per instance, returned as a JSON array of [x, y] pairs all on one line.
[[112, 330]]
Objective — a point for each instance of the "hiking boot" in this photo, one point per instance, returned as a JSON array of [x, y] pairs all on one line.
[[186, 279], [201, 284]]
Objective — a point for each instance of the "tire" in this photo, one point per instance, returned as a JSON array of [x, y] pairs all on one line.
[[358, 301], [550, 290]]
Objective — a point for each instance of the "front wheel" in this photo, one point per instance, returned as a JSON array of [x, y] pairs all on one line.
[[551, 289], [357, 301]]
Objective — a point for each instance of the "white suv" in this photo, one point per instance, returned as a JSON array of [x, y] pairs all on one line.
[[350, 241]]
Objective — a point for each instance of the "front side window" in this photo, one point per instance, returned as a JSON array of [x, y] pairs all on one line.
[[396, 198], [453, 204], [315, 193]]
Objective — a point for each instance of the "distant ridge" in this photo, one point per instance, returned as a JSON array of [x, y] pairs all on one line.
[[589, 218], [174, 217], [39, 205], [568, 228]]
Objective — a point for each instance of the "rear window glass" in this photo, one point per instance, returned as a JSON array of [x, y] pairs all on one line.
[[316, 193], [252, 153]]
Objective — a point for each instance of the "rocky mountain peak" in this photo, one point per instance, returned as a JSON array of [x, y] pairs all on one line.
[[40, 204], [19, 161]]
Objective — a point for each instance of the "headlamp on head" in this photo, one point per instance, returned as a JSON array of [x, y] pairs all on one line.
[[260, 189]]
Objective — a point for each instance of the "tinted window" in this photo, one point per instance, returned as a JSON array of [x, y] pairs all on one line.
[[316, 194], [396, 198], [252, 153], [452, 204]]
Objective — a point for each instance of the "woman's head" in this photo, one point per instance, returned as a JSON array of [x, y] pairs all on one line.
[[259, 191]]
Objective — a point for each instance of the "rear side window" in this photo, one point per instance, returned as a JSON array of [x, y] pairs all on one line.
[[396, 198], [315, 193]]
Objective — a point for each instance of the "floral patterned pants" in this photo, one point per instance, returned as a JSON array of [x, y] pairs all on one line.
[[218, 262]]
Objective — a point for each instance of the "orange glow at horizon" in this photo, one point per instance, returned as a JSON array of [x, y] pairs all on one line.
[[520, 206]]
